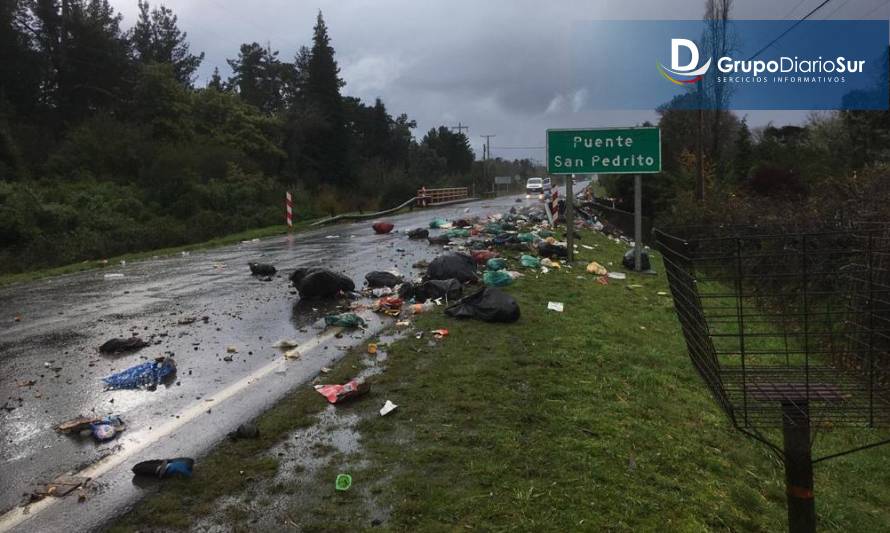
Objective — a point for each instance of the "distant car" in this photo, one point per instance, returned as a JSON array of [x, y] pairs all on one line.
[[534, 187]]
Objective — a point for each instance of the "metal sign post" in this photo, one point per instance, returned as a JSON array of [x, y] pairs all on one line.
[[638, 222], [570, 219]]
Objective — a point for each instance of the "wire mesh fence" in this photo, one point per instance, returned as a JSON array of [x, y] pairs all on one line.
[[786, 326]]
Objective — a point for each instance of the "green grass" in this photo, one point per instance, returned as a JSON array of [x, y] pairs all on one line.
[[592, 419], [9, 279]]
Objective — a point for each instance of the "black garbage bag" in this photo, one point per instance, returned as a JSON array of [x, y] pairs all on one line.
[[449, 289], [453, 266], [488, 304], [130, 344], [441, 239], [545, 249], [261, 269], [382, 279], [628, 260], [316, 283], [165, 468], [419, 233]]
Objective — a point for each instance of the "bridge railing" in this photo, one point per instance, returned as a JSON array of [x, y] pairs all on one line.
[[430, 197]]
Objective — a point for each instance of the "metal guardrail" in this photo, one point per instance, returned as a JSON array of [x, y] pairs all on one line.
[[369, 216], [431, 197]]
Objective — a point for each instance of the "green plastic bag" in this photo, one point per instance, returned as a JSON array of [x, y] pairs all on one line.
[[496, 263], [496, 278], [458, 232], [345, 320], [525, 237], [438, 223], [530, 261], [543, 233], [493, 229]]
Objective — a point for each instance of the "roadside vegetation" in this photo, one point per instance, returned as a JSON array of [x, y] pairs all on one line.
[[591, 419], [111, 144]]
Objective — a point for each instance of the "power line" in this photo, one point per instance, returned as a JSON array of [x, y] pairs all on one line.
[[519, 147], [784, 33], [460, 127], [828, 16], [879, 6], [793, 9]]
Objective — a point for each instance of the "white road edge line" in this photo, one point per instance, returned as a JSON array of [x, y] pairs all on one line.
[[20, 514]]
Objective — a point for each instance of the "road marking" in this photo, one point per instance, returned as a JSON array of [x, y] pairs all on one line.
[[20, 514]]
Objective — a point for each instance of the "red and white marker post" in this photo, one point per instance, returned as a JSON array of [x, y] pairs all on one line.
[[289, 207]]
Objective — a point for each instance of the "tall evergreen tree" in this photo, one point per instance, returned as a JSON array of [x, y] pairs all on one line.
[[216, 81], [330, 149], [157, 38], [743, 152], [258, 76], [454, 147], [88, 56]]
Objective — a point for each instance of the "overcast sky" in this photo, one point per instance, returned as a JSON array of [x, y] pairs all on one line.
[[498, 66]]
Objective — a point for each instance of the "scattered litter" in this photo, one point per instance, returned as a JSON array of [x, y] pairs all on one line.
[[419, 233], [113, 276], [345, 320], [372, 348], [422, 264], [379, 279], [262, 269], [332, 237], [120, 345], [293, 353], [102, 428], [634, 286], [248, 430], [488, 304], [317, 283], [661, 293], [387, 408], [284, 344], [441, 239], [602, 280], [165, 468], [439, 333], [340, 393], [555, 306], [59, 487], [597, 269], [530, 261], [453, 266], [147, 374], [403, 324], [587, 247], [389, 305], [496, 263], [186, 321], [617, 275], [438, 223], [343, 482], [231, 349], [418, 309], [382, 228], [496, 278], [628, 260], [325, 370]]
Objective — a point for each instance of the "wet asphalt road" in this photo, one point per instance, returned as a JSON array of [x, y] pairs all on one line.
[[52, 370]]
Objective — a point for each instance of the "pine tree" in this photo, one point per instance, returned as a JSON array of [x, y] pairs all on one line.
[[743, 153], [216, 81], [157, 38], [258, 76], [330, 149]]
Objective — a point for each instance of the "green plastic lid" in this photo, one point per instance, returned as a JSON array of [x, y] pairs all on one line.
[[344, 481]]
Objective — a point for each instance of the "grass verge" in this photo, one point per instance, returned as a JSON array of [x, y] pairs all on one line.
[[590, 419]]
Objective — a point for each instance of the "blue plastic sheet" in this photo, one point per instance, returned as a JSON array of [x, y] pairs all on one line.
[[143, 375]]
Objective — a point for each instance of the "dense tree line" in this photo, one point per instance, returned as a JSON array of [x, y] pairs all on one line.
[[107, 145]]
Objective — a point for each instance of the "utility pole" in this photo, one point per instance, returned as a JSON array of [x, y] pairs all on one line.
[[486, 154], [460, 128]]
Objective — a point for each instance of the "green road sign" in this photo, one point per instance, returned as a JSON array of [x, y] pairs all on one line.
[[605, 151]]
